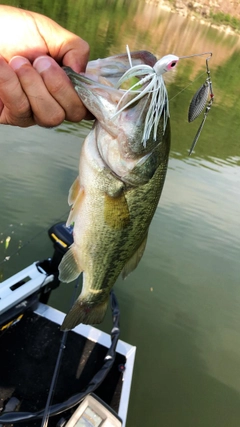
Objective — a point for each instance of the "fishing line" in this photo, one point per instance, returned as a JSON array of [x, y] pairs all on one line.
[[196, 54], [5, 230], [16, 252], [191, 56], [190, 84], [55, 376]]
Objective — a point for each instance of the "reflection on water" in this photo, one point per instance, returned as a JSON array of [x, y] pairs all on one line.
[[181, 306]]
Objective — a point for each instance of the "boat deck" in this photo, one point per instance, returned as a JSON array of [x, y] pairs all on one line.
[[28, 353]]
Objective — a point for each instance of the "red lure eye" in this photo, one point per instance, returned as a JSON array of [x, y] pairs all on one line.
[[171, 65]]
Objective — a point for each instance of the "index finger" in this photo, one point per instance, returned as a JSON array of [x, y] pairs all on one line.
[[15, 108]]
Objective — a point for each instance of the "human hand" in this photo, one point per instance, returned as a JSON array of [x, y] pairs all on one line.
[[33, 87]]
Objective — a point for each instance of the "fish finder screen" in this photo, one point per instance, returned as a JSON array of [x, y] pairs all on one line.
[[89, 418]]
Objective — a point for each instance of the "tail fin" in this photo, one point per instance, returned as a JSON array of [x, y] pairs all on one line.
[[84, 312]]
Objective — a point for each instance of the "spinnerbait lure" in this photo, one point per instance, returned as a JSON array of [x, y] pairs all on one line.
[[198, 104], [154, 86]]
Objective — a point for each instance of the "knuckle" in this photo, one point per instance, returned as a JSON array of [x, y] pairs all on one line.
[[23, 108], [55, 86], [24, 121], [58, 117], [53, 119], [85, 47], [76, 115]]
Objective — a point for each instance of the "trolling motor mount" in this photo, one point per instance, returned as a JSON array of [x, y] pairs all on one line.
[[35, 283]]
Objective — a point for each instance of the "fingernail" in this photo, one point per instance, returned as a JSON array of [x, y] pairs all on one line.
[[18, 61], [42, 63]]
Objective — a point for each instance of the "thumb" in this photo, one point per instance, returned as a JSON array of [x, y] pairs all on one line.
[[75, 53]]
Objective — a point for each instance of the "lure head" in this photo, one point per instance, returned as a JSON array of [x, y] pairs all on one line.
[[166, 63]]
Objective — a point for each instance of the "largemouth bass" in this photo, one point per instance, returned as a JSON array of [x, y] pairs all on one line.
[[122, 169]]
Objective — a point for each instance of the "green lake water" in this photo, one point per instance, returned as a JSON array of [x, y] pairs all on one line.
[[181, 307]]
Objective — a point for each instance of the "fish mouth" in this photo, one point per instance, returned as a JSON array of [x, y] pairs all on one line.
[[111, 75], [108, 77]]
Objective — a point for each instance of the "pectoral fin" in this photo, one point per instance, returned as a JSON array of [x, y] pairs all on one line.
[[73, 192], [77, 201], [116, 212], [70, 268], [134, 260]]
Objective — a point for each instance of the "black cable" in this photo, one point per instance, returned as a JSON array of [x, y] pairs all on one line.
[[58, 363], [14, 417]]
